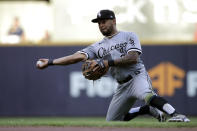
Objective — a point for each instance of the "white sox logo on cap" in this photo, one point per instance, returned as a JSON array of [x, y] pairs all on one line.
[[99, 14], [104, 14]]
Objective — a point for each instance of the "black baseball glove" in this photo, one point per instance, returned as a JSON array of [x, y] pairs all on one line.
[[94, 69]]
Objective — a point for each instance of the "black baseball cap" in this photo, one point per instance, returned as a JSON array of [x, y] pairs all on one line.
[[104, 14]]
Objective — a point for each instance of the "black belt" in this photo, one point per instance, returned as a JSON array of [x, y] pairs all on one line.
[[125, 80]]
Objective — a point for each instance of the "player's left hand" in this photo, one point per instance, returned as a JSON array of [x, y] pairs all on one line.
[[94, 69]]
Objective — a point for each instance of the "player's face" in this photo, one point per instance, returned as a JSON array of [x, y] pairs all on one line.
[[106, 27]]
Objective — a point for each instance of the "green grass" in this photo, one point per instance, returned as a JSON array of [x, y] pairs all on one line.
[[92, 122]]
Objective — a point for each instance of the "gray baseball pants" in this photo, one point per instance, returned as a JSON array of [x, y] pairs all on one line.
[[127, 93]]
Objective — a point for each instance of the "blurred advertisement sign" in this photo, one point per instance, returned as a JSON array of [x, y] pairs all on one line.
[[166, 77], [151, 19], [103, 88], [192, 83], [62, 90]]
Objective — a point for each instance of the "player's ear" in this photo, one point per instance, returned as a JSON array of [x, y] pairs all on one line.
[[114, 21]]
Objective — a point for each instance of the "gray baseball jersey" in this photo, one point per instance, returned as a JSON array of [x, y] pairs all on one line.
[[138, 87], [116, 47]]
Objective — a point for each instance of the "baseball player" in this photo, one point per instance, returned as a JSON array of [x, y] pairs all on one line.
[[120, 52]]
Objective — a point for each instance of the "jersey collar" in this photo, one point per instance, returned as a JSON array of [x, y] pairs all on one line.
[[109, 37]]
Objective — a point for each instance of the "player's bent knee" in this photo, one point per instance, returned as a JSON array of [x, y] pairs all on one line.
[[113, 119], [109, 119], [148, 98], [157, 101]]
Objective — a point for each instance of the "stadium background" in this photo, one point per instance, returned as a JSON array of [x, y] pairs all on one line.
[[168, 42]]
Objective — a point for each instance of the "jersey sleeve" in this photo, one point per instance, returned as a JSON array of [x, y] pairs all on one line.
[[89, 52], [133, 43]]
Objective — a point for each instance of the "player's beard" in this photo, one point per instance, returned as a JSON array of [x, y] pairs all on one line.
[[108, 31]]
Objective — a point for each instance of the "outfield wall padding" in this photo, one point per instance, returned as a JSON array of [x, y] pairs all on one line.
[[62, 90]]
